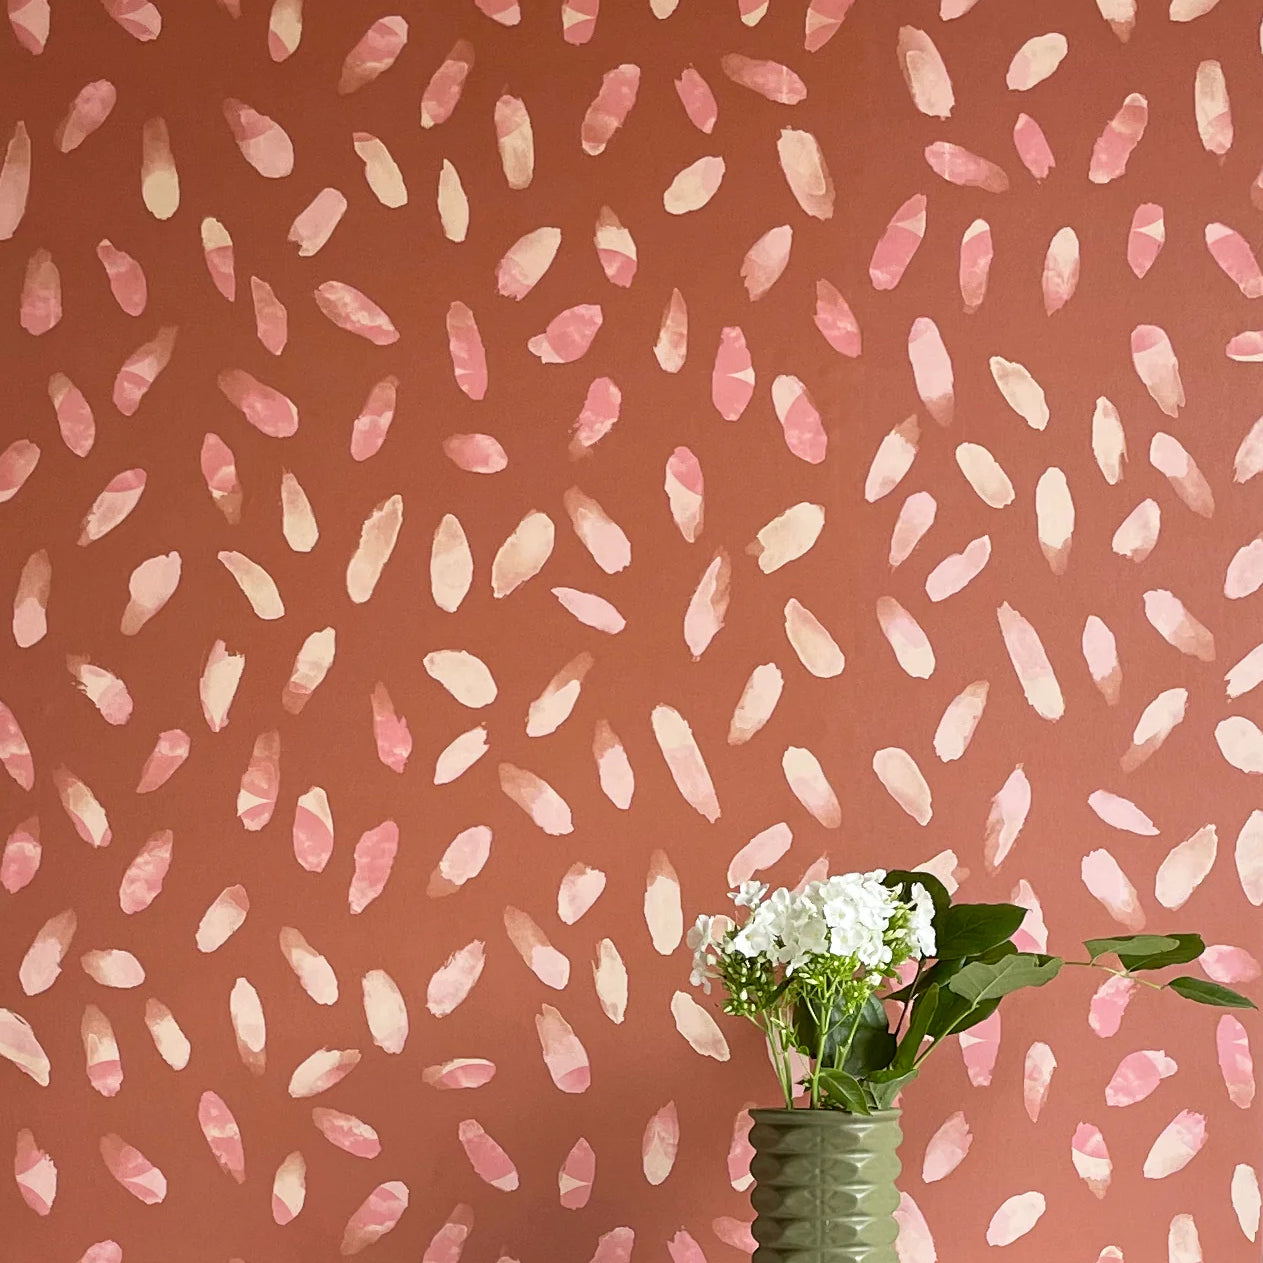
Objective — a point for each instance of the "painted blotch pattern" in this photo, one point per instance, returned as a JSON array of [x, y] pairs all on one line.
[[478, 479]]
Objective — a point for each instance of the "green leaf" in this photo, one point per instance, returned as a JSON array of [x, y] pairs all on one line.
[[873, 1045], [937, 973], [942, 970], [1210, 993], [983, 980], [922, 1014], [806, 1031], [904, 994], [968, 929], [950, 1015], [885, 1085], [1148, 951], [1187, 947], [902, 879], [954, 1014], [976, 1015], [845, 1090], [1134, 944]]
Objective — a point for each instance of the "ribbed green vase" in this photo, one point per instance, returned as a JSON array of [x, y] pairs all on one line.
[[825, 1186]]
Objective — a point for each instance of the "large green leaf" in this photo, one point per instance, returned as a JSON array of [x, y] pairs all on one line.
[[885, 1085], [954, 1013], [942, 970], [806, 1031], [1133, 943], [951, 1007], [923, 1009], [873, 1045], [902, 880], [1148, 951], [1187, 947], [1210, 993], [838, 1030], [845, 1090], [968, 929], [979, 1013], [984, 980]]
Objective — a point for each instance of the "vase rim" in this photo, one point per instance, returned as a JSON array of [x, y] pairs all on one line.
[[821, 1115]]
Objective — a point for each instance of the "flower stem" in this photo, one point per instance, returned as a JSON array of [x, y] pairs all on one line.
[[850, 1039], [772, 1028], [912, 995], [788, 1071], [823, 1027]]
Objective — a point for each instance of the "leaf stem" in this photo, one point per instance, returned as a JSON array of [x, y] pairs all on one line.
[[1083, 964], [934, 1043], [1118, 973]]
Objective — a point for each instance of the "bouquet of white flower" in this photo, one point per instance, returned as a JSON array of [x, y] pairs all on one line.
[[812, 969]]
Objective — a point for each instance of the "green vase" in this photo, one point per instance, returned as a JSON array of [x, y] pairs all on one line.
[[824, 1186]]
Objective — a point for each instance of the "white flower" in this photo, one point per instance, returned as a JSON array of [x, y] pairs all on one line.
[[749, 894], [921, 922], [857, 909], [755, 938], [808, 936], [847, 915], [700, 934], [786, 929], [705, 939]]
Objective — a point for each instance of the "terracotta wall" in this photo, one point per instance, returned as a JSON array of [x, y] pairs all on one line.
[[400, 613]]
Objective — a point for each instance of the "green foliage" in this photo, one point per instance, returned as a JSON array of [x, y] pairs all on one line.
[[1098, 947], [872, 1045], [982, 980], [1187, 947], [833, 1011], [939, 972], [954, 1014], [1148, 951], [922, 1015], [902, 880], [827, 981], [882, 1086], [973, 1015], [750, 985], [845, 1091], [968, 929], [1204, 992]]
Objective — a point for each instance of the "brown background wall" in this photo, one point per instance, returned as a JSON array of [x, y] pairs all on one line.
[[873, 138]]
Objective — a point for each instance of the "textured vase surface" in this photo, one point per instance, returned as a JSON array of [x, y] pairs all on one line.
[[825, 1186]]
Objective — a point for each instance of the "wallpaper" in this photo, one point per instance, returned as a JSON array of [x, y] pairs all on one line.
[[480, 478]]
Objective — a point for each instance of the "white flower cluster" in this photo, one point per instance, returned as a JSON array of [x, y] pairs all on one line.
[[847, 915], [921, 922], [706, 940]]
